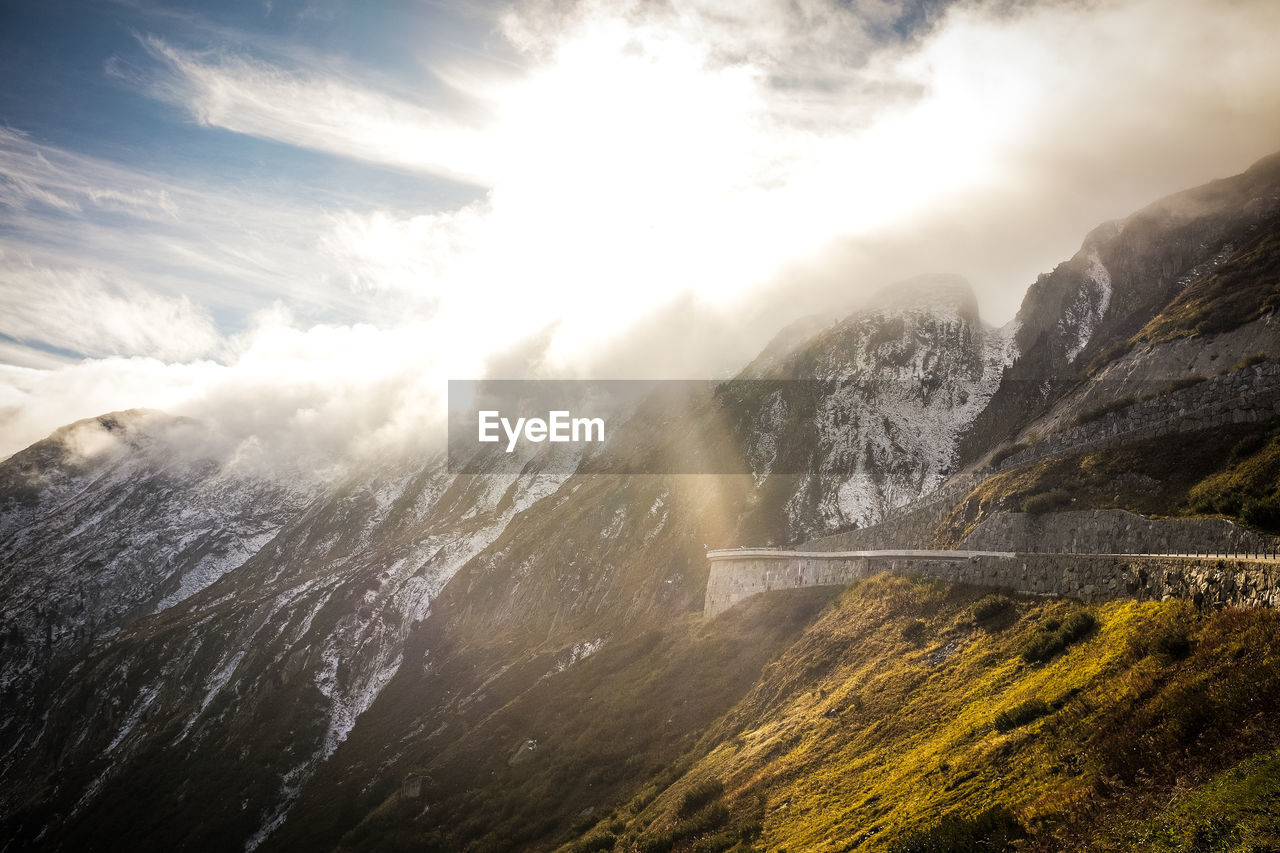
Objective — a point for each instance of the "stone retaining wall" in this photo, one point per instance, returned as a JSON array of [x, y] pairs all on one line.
[[1251, 395], [1207, 581], [1103, 531]]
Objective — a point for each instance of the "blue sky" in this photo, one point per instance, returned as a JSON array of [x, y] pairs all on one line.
[[79, 75], [312, 214], [68, 64]]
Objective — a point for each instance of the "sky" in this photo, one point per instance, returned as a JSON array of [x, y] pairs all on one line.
[[296, 221]]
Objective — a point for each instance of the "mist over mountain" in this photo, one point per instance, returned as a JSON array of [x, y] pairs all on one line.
[[204, 655]]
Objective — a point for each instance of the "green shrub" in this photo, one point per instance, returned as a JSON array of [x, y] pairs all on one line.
[[1263, 513], [1054, 636], [1245, 488], [1108, 355], [1046, 502], [1020, 715], [717, 843], [1167, 637], [699, 794], [1167, 632], [657, 843], [995, 829], [594, 842], [1249, 445], [644, 798], [711, 818], [991, 606], [913, 631], [1178, 385]]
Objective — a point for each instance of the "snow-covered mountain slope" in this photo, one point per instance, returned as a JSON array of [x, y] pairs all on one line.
[[276, 658], [874, 405], [110, 519]]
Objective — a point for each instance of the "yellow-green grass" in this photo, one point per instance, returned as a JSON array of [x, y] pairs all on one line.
[[1244, 288], [1235, 813], [855, 735], [915, 720], [1232, 472]]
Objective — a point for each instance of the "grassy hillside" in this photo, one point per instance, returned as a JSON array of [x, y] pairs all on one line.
[[519, 760], [914, 716], [895, 715], [1233, 472]]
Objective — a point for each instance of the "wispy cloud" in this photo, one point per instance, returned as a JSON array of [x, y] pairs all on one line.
[[312, 109], [35, 175], [85, 311], [227, 248]]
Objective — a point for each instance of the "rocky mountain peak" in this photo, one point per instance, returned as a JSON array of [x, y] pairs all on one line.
[[932, 294]]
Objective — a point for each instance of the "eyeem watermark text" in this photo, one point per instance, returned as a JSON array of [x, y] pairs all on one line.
[[559, 426]]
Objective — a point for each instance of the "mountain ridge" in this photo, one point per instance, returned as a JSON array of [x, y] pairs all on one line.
[[392, 625]]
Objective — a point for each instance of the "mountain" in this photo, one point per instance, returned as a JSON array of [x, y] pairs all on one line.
[[1095, 307], [107, 521], [871, 409], [412, 659], [256, 678]]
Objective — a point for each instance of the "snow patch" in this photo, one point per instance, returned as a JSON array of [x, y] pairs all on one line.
[[1082, 317], [140, 706], [580, 652], [615, 524], [213, 686]]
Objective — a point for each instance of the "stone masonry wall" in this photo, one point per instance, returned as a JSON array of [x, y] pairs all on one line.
[[1115, 531], [732, 580], [1207, 581], [1251, 395]]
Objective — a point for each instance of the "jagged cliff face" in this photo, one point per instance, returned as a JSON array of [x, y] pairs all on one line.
[[1080, 317], [265, 663], [875, 407]]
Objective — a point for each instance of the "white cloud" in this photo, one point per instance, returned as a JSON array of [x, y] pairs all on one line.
[[284, 398], [31, 174], [85, 311], [678, 178], [655, 154], [315, 110]]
